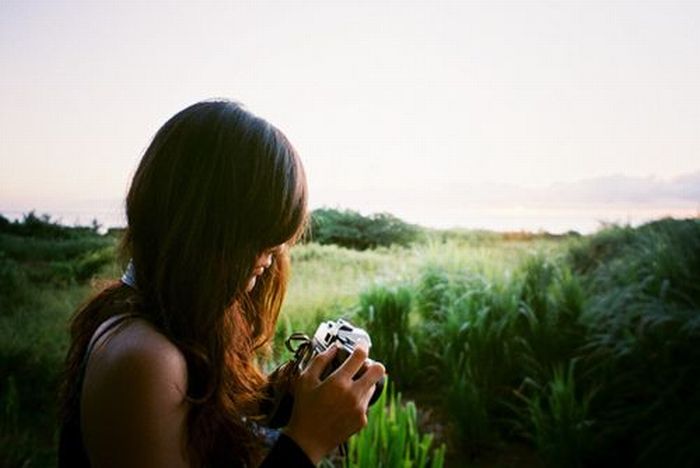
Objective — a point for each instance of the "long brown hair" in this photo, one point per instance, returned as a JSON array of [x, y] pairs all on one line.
[[216, 187]]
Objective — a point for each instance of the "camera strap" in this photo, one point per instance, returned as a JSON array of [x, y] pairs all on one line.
[[303, 352]]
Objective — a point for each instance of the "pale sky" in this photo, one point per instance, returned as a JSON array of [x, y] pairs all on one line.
[[527, 114]]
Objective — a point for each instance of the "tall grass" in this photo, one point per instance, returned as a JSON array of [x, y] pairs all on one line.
[[644, 316], [557, 419], [623, 304], [549, 326], [468, 344], [385, 312], [392, 438], [42, 280], [326, 280]]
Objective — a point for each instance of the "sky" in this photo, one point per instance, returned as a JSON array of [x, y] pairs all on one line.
[[531, 115]]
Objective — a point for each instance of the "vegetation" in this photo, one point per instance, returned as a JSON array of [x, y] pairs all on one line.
[[589, 352], [584, 348], [392, 438], [44, 268], [350, 229]]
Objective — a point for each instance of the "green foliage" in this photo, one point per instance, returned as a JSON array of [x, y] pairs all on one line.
[[385, 312], [42, 268], [392, 438], [624, 304], [42, 252], [33, 340], [469, 345], [30, 249], [644, 322], [557, 419], [13, 282], [551, 304], [350, 229], [14, 441], [91, 263], [487, 326], [469, 406], [44, 227], [433, 293]]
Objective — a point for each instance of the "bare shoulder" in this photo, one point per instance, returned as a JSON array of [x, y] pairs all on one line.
[[137, 346], [133, 405]]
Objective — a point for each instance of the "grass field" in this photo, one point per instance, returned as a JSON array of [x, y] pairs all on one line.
[[581, 351]]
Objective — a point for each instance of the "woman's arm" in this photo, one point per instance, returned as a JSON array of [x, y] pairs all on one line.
[[133, 408]]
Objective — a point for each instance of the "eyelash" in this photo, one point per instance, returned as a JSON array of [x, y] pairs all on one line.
[[275, 250]]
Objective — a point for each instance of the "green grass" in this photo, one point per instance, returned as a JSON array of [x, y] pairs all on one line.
[[392, 438], [557, 419], [385, 312], [33, 343]]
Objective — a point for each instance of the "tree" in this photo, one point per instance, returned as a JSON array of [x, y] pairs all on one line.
[[350, 229]]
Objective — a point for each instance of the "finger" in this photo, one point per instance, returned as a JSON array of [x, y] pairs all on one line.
[[320, 362], [352, 364], [371, 376], [367, 396]]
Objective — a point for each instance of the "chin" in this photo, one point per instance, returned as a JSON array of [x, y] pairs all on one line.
[[251, 284]]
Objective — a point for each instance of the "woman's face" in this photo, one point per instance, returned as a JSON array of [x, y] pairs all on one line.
[[262, 263]]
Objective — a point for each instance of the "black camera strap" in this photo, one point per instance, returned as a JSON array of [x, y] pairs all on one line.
[[302, 346], [303, 351]]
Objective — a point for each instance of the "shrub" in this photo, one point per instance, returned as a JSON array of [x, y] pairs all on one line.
[[352, 230], [44, 227], [30, 249]]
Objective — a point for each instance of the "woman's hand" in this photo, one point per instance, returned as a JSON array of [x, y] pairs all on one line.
[[327, 412]]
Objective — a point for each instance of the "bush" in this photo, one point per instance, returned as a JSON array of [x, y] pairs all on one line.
[[44, 227], [352, 230]]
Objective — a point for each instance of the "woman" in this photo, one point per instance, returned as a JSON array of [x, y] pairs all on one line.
[[162, 368]]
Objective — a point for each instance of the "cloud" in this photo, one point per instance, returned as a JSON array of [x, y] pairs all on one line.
[[609, 191], [626, 190]]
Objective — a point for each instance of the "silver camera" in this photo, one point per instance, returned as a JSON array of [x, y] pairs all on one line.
[[340, 332]]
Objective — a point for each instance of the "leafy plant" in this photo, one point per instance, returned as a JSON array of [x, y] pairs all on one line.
[[392, 439], [385, 312], [557, 419]]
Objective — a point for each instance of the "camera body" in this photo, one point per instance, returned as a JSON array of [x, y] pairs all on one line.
[[340, 333]]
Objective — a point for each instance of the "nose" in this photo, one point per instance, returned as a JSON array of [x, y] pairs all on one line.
[[267, 260]]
